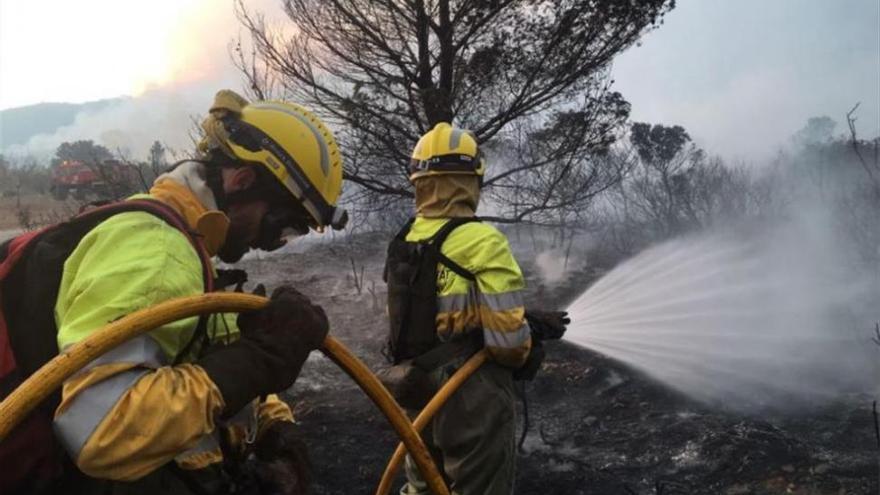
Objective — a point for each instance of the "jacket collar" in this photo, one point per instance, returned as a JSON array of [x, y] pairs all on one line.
[[186, 190], [447, 196]]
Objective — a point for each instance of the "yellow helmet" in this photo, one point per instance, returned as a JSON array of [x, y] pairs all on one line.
[[295, 147], [446, 150]]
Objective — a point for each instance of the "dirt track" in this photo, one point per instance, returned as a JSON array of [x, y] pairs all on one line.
[[597, 426]]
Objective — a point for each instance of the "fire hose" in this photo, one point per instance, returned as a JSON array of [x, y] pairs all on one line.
[[455, 381], [51, 376]]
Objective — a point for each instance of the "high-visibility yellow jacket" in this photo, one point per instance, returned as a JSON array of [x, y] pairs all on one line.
[[494, 302], [130, 411]]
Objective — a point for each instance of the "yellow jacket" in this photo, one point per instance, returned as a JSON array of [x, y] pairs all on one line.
[[130, 411], [494, 302]]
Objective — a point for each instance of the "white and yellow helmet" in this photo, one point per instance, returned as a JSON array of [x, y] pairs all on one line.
[[290, 142], [446, 150]]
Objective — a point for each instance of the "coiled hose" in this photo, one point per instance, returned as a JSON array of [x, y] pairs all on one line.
[[44, 381]]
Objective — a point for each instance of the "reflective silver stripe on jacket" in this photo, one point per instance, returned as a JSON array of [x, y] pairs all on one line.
[[507, 340], [502, 301], [457, 302], [89, 407], [74, 427]]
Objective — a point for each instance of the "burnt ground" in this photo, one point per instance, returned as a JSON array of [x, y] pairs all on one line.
[[597, 426]]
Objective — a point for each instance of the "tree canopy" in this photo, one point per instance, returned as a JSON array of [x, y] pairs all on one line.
[[84, 150], [528, 77]]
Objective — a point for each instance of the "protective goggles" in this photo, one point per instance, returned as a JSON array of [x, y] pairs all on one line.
[[451, 163], [279, 224]]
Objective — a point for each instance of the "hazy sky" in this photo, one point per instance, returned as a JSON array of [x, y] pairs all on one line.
[[740, 75], [744, 75]]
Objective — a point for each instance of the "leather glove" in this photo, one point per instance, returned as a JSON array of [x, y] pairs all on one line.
[[275, 342], [530, 368], [283, 465], [547, 325]]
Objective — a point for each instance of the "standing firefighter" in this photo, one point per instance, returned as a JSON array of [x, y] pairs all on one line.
[[455, 287], [155, 415]]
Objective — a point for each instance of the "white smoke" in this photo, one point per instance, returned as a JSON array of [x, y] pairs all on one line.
[[777, 317], [130, 125], [201, 64], [551, 264]]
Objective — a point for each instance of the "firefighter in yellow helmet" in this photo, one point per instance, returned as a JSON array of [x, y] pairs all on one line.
[[455, 287], [154, 413]]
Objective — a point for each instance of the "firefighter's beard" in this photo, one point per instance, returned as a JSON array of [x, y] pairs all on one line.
[[236, 244], [245, 219], [232, 250]]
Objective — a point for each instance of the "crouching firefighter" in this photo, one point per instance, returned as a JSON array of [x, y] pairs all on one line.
[[454, 287], [155, 415]]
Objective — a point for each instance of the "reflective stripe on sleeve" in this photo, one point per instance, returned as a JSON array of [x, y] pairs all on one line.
[[502, 301], [507, 340], [88, 409], [456, 302]]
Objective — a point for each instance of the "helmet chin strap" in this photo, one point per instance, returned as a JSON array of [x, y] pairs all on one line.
[[214, 179]]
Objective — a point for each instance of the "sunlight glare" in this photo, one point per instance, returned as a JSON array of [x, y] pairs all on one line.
[[143, 46]]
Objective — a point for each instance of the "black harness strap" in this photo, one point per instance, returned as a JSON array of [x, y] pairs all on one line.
[[455, 267], [437, 240], [411, 272], [436, 243]]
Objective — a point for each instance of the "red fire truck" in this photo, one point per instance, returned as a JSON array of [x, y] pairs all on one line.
[[109, 179]]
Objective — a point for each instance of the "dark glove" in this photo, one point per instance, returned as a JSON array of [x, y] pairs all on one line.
[[530, 368], [282, 461], [547, 325], [275, 342]]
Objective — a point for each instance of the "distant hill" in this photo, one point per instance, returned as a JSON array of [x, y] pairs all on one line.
[[18, 125]]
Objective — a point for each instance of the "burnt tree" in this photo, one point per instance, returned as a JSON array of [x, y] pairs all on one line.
[[529, 78]]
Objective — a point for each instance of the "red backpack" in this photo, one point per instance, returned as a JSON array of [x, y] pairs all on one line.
[[31, 266]]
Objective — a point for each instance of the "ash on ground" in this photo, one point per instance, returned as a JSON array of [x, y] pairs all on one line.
[[597, 427]]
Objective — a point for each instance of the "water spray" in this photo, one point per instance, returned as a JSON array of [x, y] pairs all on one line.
[[744, 319]]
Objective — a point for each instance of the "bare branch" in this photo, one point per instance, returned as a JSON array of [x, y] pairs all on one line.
[[854, 142], [382, 72]]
